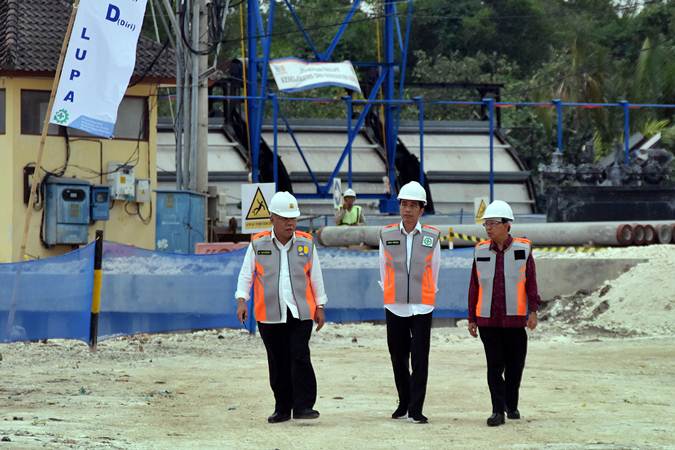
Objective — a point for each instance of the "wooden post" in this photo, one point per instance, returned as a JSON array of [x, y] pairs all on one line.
[[38, 163], [45, 129]]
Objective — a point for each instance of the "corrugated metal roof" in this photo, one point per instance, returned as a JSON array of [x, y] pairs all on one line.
[[323, 150], [460, 152], [222, 156]]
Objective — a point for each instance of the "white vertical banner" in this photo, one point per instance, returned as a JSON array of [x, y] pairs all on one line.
[[98, 65]]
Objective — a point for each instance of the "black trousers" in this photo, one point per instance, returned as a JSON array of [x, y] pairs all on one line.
[[291, 373], [505, 350], [408, 339]]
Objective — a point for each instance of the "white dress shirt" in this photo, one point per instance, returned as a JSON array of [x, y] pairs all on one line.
[[411, 309], [286, 298]]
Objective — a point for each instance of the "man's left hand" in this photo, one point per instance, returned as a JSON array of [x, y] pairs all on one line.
[[319, 318], [532, 320]]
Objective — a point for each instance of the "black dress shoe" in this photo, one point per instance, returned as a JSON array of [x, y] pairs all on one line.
[[513, 415], [279, 417], [418, 418], [400, 413], [495, 420], [305, 413]]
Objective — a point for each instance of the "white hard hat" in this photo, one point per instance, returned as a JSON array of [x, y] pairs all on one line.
[[285, 205], [349, 193], [413, 191], [498, 209]]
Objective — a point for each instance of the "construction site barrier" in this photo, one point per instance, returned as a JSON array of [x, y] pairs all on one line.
[[142, 291], [47, 298]]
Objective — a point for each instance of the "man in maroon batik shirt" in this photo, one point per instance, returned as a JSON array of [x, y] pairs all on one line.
[[503, 300]]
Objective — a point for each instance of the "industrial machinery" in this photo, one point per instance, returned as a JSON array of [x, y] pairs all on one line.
[[629, 185]]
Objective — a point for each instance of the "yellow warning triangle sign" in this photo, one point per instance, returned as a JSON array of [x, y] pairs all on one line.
[[258, 209], [480, 211]]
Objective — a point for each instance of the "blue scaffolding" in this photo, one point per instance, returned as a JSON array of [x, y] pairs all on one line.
[[259, 38]]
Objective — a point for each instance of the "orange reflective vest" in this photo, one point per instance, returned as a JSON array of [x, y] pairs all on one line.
[[405, 286], [515, 264], [267, 273]]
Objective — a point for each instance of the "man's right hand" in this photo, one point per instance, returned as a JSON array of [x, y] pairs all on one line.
[[473, 329], [242, 310]]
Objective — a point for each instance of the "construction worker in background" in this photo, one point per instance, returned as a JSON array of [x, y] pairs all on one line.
[[410, 258], [349, 213], [503, 300], [283, 266]]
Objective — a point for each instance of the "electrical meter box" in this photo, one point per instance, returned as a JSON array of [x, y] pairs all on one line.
[[66, 212], [122, 182], [100, 202], [181, 220], [142, 190]]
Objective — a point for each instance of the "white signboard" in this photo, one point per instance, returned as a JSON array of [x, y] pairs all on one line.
[[98, 65], [255, 212], [293, 74], [479, 205], [337, 193]]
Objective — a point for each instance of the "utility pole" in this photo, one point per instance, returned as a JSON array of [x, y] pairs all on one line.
[[189, 24], [201, 167], [194, 91]]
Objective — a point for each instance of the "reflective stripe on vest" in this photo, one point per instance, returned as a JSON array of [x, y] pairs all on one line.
[[267, 274], [418, 286], [515, 263]]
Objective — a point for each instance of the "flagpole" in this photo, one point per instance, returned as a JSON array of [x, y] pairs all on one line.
[[43, 136]]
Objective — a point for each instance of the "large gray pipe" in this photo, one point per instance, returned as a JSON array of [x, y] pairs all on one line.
[[548, 234]]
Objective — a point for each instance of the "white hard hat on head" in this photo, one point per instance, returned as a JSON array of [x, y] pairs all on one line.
[[498, 209], [413, 191], [285, 205], [349, 193]]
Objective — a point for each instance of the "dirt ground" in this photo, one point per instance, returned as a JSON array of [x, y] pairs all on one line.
[[209, 389]]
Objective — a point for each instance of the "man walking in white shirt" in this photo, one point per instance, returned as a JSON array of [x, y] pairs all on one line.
[[409, 264], [283, 267]]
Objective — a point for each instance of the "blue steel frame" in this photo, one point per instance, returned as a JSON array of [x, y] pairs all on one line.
[[489, 103], [257, 82]]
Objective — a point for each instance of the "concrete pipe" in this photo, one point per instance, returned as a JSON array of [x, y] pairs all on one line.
[[541, 234], [624, 234], [638, 234], [650, 235], [664, 233]]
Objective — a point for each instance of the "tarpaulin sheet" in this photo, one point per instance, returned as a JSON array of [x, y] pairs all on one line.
[[149, 292], [48, 298], [351, 281]]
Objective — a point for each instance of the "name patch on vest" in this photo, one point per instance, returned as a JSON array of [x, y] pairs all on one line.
[[483, 258], [393, 242], [264, 252], [519, 254], [427, 241]]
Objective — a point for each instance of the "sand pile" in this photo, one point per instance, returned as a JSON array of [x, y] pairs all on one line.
[[638, 302]]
